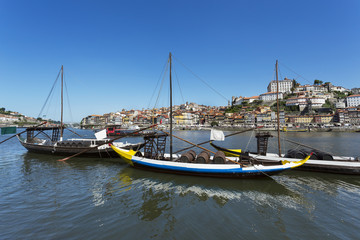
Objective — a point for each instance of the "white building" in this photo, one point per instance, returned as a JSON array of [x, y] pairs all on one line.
[[237, 100], [353, 100], [339, 89], [340, 104], [284, 86], [270, 96], [297, 101], [8, 119], [317, 102]]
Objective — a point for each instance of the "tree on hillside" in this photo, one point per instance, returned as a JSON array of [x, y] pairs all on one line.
[[318, 82]]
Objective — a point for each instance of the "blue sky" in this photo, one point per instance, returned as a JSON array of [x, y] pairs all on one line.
[[114, 52]]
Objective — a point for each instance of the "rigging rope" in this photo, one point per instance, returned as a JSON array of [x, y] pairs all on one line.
[[157, 84], [252, 134], [200, 78], [177, 80], [68, 100], [162, 84], [49, 94], [296, 73]]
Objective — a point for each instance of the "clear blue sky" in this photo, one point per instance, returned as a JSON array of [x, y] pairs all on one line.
[[113, 52]]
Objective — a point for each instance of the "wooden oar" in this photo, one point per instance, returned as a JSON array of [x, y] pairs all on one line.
[[195, 145], [229, 135], [21, 133], [112, 140]]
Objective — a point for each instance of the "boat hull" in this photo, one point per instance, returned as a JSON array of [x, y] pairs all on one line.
[[71, 150], [230, 169], [234, 174], [338, 165]]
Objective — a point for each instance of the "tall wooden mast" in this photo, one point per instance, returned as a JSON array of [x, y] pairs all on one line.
[[62, 101], [171, 113], [278, 107]]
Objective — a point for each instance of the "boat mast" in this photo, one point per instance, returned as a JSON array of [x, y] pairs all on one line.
[[62, 100], [278, 107], [171, 113]]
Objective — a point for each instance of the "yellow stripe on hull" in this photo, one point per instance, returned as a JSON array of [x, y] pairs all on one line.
[[230, 154], [125, 154], [298, 163]]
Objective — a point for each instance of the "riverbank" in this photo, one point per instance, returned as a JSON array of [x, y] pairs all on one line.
[[240, 128], [283, 129]]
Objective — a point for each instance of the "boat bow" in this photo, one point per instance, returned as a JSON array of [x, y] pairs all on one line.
[[298, 163]]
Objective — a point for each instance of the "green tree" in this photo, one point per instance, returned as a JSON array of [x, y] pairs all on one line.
[[318, 82], [214, 123]]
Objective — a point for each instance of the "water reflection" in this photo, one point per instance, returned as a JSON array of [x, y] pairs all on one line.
[[162, 187]]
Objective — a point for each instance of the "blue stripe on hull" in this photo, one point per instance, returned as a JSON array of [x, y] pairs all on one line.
[[201, 170]]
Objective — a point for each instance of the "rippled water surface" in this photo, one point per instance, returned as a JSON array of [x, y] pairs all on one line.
[[41, 198]]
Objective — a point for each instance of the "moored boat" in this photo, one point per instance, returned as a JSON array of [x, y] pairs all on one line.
[[229, 168], [116, 131], [49, 143], [319, 161], [49, 140], [153, 158], [327, 163]]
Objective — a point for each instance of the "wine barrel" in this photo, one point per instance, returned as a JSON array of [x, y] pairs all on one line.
[[203, 157], [193, 154], [188, 156], [323, 155], [219, 158], [293, 153], [307, 152]]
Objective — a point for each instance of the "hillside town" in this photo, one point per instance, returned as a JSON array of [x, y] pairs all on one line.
[[320, 105]]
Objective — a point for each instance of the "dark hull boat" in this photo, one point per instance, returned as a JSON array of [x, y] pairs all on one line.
[[319, 161], [52, 145], [49, 140]]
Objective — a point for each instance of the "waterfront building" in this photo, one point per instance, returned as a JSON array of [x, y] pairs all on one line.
[[353, 100], [354, 116], [270, 96], [339, 116], [239, 120], [285, 86], [184, 119], [249, 118], [264, 117], [282, 117], [300, 119], [323, 119]]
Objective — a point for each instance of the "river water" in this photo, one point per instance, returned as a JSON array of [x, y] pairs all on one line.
[[41, 198]]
